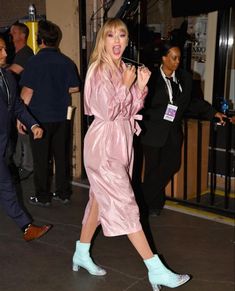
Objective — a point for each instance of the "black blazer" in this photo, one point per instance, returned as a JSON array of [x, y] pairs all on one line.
[[14, 109], [156, 130]]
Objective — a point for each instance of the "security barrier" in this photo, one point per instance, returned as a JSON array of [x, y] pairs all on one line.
[[207, 175]]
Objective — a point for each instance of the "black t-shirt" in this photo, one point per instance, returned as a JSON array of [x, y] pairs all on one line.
[[50, 74], [22, 56]]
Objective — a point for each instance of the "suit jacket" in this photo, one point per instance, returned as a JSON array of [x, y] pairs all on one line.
[[10, 110], [156, 130]]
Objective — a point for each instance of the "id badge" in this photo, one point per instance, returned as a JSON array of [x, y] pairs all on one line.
[[170, 112]]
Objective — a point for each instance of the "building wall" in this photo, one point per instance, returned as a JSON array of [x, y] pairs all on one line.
[[12, 10]]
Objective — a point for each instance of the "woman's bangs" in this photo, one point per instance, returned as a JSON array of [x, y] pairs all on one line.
[[115, 25]]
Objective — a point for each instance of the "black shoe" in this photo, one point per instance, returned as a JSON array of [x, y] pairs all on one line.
[[154, 212], [56, 197], [24, 174], [34, 201]]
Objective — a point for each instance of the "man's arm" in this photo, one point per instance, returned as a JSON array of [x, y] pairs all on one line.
[[26, 95], [15, 68], [74, 90]]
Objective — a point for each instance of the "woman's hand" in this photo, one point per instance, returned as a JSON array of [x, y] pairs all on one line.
[[143, 75], [129, 75], [232, 119], [221, 118]]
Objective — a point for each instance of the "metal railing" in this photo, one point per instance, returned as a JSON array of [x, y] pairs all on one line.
[[215, 152]]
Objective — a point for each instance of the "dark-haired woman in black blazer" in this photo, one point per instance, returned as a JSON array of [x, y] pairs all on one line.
[[168, 100]]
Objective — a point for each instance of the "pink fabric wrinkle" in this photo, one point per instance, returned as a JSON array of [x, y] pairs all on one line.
[[135, 125]]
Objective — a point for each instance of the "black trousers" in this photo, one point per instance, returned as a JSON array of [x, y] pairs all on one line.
[[161, 163], [53, 145]]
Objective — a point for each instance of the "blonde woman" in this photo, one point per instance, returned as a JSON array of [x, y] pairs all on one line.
[[114, 93]]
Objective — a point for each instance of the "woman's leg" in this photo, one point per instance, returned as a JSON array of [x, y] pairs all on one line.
[[88, 229], [81, 257], [158, 274], [139, 241]]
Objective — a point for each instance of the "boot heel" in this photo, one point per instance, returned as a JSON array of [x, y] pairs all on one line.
[[156, 287], [159, 275], [82, 259], [75, 267]]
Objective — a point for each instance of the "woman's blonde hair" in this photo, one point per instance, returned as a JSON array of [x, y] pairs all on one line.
[[99, 55]]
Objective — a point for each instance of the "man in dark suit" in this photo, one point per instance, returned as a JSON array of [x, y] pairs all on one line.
[[11, 106], [168, 100]]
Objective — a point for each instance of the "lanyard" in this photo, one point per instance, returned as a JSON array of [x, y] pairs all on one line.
[[168, 84]]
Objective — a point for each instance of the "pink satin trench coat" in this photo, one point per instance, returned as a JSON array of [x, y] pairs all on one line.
[[108, 150]]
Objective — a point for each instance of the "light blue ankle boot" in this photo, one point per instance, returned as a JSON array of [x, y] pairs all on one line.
[[159, 275], [81, 258]]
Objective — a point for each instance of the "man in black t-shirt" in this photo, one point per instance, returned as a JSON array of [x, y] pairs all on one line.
[[47, 82], [19, 33]]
